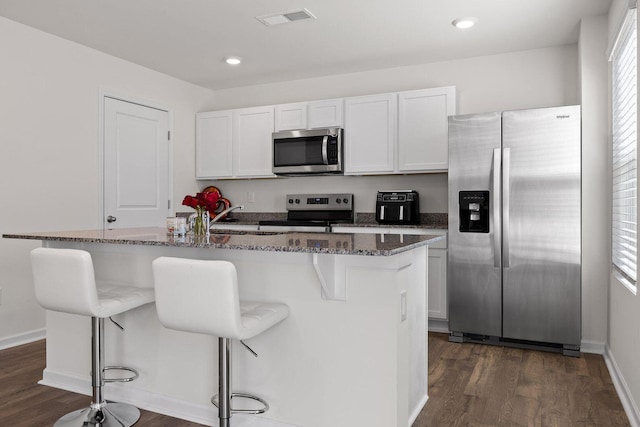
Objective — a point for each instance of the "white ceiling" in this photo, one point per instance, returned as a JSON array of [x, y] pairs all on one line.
[[189, 39]]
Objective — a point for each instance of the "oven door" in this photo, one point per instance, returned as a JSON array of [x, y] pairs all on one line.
[[307, 151]]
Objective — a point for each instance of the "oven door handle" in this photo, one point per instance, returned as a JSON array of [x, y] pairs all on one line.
[[325, 143]]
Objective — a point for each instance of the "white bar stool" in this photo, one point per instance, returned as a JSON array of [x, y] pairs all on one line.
[[65, 281], [202, 297]]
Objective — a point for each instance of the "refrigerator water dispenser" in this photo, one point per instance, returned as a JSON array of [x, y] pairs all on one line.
[[474, 211]]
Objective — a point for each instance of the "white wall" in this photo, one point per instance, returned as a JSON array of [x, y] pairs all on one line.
[[623, 346], [528, 79], [596, 220], [49, 146]]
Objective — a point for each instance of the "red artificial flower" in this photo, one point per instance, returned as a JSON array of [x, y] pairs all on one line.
[[209, 201]]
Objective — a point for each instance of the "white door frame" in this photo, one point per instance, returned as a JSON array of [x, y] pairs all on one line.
[[101, 145]]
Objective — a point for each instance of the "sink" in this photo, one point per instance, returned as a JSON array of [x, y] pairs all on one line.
[[246, 232]]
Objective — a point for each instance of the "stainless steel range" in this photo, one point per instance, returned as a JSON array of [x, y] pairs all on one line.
[[313, 213]]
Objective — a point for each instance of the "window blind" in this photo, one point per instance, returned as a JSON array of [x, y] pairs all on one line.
[[624, 130]]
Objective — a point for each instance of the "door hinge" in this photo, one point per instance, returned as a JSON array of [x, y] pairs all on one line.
[[169, 135], [168, 204]]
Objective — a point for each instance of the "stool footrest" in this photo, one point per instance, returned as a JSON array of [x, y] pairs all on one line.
[[121, 380], [262, 410]]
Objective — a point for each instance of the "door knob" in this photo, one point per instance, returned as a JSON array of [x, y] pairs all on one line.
[[111, 218]]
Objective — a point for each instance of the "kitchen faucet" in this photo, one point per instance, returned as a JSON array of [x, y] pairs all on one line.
[[224, 212], [217, 218]]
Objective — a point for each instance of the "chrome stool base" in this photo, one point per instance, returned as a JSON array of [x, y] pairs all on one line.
[[104, 415], [262, 410]]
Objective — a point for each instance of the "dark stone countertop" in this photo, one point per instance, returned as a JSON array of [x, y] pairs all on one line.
[[322, 243]]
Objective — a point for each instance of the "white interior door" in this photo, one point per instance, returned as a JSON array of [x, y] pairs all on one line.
[[136, 165]]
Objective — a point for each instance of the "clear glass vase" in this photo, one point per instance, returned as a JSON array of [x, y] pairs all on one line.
[[201, 221]]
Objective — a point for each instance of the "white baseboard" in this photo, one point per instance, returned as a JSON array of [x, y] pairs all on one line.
[[23, 338], [594, 347], [438, 325], [629, 405], [154, 402], [417, 410]]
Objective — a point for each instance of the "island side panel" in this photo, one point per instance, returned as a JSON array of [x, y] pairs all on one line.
[[339, 363]]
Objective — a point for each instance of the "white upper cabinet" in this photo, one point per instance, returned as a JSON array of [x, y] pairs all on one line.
[[252, 143], [214, 144], [325, 114], [370, 134], [234, 143], [402, 132], [291, 116], [423, 129], [309, 115]]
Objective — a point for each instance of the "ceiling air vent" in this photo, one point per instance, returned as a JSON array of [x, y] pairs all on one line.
[[285, 17]]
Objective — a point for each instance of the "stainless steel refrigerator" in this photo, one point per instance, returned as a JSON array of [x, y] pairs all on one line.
[[514, 259]]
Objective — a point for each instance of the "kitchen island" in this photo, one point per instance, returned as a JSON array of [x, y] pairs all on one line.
[[352, 352]]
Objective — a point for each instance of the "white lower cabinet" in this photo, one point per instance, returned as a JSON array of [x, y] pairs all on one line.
[[438, 283], [437, 264]]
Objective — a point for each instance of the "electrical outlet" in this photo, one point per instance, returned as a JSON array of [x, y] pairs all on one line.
[[403, 306], [251, 197]]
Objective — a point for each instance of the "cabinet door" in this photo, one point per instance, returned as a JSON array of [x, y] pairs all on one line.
[[437, 299], [291, 116], [214, 145], [370, 134], [253, 154], [423, 136], [325, 114]]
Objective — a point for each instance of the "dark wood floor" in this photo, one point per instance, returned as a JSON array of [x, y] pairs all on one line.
[[24, 403], [480, 385], [469, 385]]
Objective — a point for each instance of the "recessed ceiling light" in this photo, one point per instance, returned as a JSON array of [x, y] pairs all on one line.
[[233, 60], [464, 23]]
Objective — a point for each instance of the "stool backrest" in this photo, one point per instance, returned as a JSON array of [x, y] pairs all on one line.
[[64, 280], [197, 296]]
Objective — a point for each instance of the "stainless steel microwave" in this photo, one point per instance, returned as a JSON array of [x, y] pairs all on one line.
[[303, 152]]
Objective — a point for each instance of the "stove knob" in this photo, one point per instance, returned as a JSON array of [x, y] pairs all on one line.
[[338, 201], [290, 201], [290, 242], [297, 242], [345, 200], [298, 201]]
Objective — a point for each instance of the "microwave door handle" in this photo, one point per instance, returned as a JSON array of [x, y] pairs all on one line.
[[382, 212], [325, 143], [401, 213]]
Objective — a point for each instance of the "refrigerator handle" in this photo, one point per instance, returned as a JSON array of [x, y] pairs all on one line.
[[495, 178], [506, 161]]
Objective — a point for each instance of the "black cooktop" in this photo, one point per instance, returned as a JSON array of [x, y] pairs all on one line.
[[292, 223], [302, 222]]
